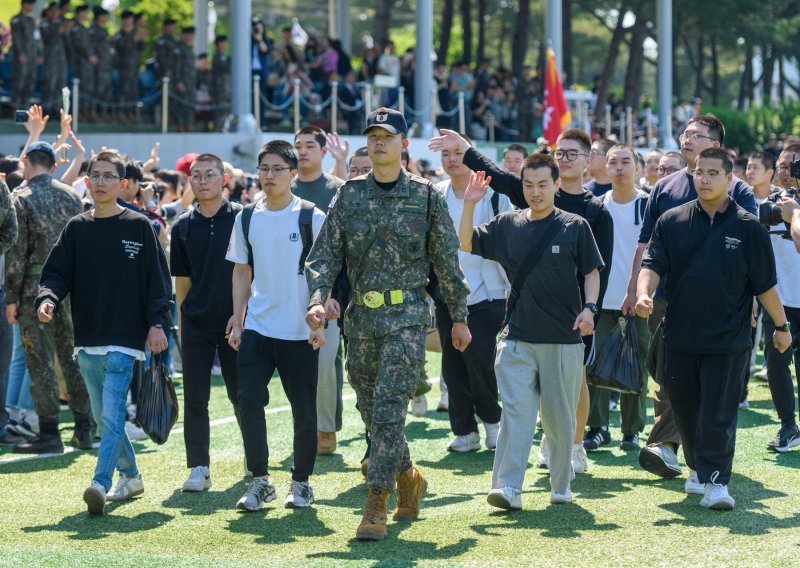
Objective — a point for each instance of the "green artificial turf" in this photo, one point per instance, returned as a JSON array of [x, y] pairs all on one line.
[[621, 515]]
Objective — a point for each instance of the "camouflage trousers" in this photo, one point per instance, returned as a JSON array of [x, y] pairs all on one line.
[[384, 373], [41, 341]]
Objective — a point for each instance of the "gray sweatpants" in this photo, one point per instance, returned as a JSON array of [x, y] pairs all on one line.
[[329, 383], [527, 374]]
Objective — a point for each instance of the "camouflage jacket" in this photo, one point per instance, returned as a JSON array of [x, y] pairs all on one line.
[[80, 48], [101, 47], [166, 53], [221, 78], [127, 50], [43, 208], [388, 240], [186, 70], [23, 38], [53, 44], [8, 219]]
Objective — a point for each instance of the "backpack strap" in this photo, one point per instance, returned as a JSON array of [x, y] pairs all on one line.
[[641, 205], [247, 215], [495, 203], [306, 232]]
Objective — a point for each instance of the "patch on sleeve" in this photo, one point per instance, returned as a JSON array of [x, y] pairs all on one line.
[[333, 201]]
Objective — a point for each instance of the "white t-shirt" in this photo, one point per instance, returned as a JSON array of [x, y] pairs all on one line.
[[787, 264], [626, 239], [279, 295]]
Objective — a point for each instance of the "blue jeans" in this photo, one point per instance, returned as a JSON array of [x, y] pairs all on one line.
[[107, 380], [19, 380], [5, 358]]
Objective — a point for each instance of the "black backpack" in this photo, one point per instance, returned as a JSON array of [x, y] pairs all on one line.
[[304, 223]]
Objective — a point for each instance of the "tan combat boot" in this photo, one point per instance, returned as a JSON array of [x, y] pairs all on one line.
[[410, 487], [373, 524], [326, 443]]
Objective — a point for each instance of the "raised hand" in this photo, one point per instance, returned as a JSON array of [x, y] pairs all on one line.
[[449, 140], [336, 147], [37, 120], [478, 184]]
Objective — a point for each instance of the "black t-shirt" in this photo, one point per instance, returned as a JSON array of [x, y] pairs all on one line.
[[711, 283], [598, 189], [550, 298], [198, 249]]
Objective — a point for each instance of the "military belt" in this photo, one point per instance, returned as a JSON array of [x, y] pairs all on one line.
[[375, 299]]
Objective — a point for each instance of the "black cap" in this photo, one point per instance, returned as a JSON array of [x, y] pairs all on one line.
[[220, 38], [187, 30], [62, 3], [170, 21], [202, 56], [51, 5], [126, 14], [99, 11], [388, 119], [81, 8], [28, 2]]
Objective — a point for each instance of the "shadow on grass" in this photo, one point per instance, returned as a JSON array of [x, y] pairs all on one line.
[[273, 530], [591, 486], [787, 459], [556, 521], [396, 551], [472, 463], [84, 526], [750, 517], [205, 502], [44, 464], [419, 430]]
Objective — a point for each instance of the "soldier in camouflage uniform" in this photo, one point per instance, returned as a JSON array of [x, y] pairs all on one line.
[[43, 208], [23, 45], [83, 58], [128, 50], [221, 81], [104, 53], [388, 227], [8, 236], [54, 60], [185, 81]]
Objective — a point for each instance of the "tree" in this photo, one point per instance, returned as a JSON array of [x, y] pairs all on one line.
[[519, 42], [448, 10], [381, 25], [466, 30]]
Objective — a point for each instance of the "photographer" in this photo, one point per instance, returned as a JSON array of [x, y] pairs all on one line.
[[776, 209]]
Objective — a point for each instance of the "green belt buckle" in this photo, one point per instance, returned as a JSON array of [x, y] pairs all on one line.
[[373, 299]]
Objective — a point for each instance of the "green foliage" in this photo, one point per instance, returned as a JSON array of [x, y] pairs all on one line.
[[747, 130]]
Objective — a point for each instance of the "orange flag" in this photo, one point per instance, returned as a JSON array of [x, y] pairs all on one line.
[[556, 113]]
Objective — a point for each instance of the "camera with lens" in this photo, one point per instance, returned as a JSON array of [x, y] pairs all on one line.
[[769, 212]]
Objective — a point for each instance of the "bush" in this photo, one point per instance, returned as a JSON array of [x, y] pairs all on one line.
[[748, 130]]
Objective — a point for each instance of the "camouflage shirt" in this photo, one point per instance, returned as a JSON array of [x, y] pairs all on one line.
[[388, 240], [43, 208], [101, 47], [8, 219]]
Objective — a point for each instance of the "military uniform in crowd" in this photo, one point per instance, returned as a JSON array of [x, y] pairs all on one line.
[[166, 49], [8, 219], [104, 52], [80, 51], [221, 82], [54, 60], [43, 208], [185, 81], [128, 51], [388, 240], [23, 45]]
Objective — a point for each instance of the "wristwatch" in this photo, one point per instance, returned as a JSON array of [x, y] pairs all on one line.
[[785, 327], [592, 307]]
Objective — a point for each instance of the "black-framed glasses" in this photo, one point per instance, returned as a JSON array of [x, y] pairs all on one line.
[[570, 155], [106, 178], [711, 174]]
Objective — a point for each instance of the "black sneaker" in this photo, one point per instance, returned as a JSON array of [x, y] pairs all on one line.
[[259, 492], [41, 445], [788, 437], [595, 438], [630, 442], [21, 428], [9, 439]]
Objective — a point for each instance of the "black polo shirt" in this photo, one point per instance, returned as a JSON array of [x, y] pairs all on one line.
[[714, 271], [197, 250]]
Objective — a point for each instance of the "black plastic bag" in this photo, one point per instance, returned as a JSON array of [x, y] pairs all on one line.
[[618, 366], [158, 404], [656, 358]]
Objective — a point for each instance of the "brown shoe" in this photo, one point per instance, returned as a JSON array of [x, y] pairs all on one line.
[[326, 443], [373, 524], [410, 487]]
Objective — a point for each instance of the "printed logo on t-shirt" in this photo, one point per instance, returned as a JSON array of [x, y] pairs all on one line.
[[293, 237], [731, 243], [132, 248], [555, 249]]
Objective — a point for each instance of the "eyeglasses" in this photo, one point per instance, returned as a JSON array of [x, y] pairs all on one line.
[[107, 178], [693, 136], [211, 176], [783, 168], [595, 152], [663, 170], [711, 174], [277, 170], [570, 155]]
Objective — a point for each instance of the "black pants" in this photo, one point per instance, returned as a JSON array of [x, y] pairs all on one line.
[[297, 363], [199, 348], [779, 374], [469, 376], [704, 391]]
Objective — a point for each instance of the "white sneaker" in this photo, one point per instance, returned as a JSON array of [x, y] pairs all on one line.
[[466, 443], [419, 405], [506, 498], [492, 430], [693, 485], [560, 498], [126, 488], [95, 498], [259, 492], [300, 495], [717, 497], [580, 464], [543, 459], [199, 479], [444, 402], [135, 434]]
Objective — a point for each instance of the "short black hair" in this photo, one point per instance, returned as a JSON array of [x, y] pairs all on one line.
[[315, 131], [604, 145], [578, 136], [717, 154], [716, 129], [9, 164], [133, 171], [40, 159], [280, 148], [214, 159], [634, 154], [515, 147], [170, 177], [541, 160], [112, 158], [674, 154]]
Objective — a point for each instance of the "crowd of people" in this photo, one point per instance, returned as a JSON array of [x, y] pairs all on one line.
[[550, 251]]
